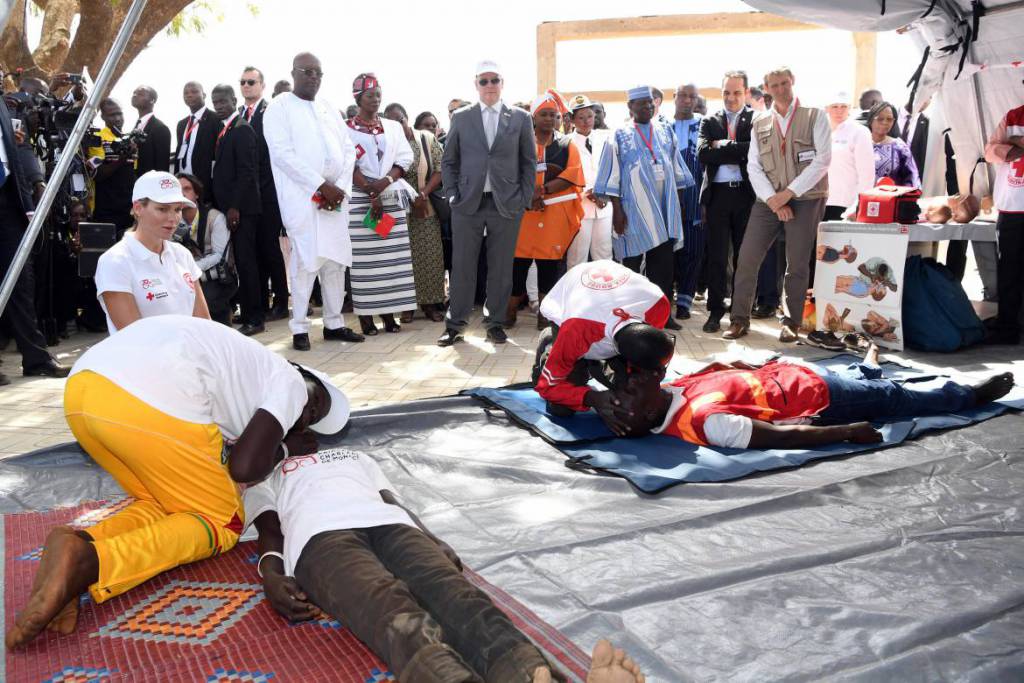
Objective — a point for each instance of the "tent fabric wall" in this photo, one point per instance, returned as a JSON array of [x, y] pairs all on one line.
[[972, 104]]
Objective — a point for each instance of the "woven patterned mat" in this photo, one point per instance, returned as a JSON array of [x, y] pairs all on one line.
[[206, 621]]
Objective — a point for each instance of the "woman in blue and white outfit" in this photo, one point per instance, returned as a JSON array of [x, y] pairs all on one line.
[[382, 276]]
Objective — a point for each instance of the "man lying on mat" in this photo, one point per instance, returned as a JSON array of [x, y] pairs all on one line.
[[773, 406], [331, 521], [607, 320], [157, 405]]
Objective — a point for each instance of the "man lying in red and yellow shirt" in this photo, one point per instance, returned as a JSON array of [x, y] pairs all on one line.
[[773, 406]]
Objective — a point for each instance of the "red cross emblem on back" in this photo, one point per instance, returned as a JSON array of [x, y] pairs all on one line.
[[602, 278]]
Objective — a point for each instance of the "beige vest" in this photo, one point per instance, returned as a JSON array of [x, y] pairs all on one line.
[[781, 168]]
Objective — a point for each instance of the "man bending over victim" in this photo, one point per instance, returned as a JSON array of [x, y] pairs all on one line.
[[606, 324], [774, 406], [331, 521]]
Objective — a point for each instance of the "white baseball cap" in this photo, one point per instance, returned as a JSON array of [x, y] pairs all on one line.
[[841, 97], [487, 66], [160, 187], [337, 415]]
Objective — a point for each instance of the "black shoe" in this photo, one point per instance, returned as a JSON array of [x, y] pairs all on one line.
[[249, 329], [826, 340], [449, 337], [343, 334], [236, 319], [712, 324], [763, 311], [300, 342], [50, 368], [277, 313], [4, 380], [682, 313], [1001, 338], [671, 324], [496, 335]]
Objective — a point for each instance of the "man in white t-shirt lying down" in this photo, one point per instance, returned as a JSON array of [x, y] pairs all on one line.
[[332, 521], [790, 404]]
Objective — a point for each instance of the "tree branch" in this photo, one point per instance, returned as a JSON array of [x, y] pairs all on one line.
[[55, 40], [14, 52]]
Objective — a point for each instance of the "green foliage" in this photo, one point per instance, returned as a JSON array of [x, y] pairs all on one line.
[[194, 18]]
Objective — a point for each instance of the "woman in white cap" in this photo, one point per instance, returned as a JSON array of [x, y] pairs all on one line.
[[852, 170], [147, 274]]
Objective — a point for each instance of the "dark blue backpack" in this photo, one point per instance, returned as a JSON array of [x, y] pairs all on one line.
[[937, 315]]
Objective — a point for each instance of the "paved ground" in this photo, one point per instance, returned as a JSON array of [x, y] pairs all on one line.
[[401, 367]]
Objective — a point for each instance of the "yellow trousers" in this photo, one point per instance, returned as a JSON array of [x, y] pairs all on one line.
[[186, 506]]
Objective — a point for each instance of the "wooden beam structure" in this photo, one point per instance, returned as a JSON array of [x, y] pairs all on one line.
[[549, 34]]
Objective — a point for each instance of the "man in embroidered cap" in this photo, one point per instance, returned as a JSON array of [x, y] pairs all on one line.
[[488, 171], [641, 171], [551, 223]]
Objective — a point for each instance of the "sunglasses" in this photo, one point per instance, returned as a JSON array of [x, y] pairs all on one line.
[[310, 73], [248, 81], [489, 81]]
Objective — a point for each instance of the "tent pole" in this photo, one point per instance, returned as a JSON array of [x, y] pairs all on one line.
[[74, 141]]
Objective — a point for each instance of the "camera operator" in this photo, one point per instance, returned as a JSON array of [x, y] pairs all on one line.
[[113, 167], [16, 204]]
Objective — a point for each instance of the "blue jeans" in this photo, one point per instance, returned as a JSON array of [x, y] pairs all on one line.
[[859, 392]]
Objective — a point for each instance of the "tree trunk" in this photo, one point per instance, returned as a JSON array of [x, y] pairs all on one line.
[[99, 21]]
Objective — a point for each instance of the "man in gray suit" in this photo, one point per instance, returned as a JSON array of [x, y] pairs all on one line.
[[488, 172]]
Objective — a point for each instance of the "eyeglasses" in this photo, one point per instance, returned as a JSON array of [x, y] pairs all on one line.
[[248, 81], [489, 81], [310, 73]]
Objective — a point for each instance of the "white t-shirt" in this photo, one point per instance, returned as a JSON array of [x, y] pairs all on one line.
[[162, 284], [199, 371], [331, 490], [852, 170]]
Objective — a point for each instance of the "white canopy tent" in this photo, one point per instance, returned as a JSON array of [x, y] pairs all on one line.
[[974, 64]]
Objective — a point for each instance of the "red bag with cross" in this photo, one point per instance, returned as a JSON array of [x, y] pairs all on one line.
[[888, 202]]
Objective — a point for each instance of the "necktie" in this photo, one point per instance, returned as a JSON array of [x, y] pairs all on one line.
[[590, 148], [248, 113], [3, 174], [491, 127]]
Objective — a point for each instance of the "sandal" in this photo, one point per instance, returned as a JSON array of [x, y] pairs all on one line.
[[390, 325], [406, 316], [367, 325]]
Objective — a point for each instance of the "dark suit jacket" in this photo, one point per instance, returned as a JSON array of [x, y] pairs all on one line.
[[268, 193], [15, 162], [155, 152], [206, 140], [716, 128], [236, 182], [919, 145], [511, 161]]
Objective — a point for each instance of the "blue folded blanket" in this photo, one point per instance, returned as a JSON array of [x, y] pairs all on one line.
[[654, 463]]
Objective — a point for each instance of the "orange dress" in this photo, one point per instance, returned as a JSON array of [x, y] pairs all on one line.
[[547, 234]]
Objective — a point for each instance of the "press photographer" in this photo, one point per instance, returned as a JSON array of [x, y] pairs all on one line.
[[112, 156]]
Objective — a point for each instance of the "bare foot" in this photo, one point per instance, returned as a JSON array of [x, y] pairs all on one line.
[[542, 675], [993, 389], [871, 355], [609, 665], [67, 619], [68, 566]]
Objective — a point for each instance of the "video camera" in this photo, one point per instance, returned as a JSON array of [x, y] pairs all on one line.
[[128, 144]]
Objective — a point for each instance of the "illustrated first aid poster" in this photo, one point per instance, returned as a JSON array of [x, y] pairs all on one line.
[[858, 280]]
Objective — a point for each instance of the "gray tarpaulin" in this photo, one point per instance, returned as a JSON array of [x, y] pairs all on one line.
[[903, 564]]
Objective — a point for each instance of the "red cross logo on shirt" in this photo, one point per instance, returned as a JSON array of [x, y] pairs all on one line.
[[149, 297], [1016, 177], [599, 277]]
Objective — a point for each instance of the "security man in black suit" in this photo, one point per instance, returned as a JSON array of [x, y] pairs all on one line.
[[919, 142], [155, 151], [726, 194], [18, 318], [236, 194], [268, 246], [197, 136]]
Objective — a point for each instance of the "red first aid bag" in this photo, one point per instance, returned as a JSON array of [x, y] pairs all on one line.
[[889, 203]]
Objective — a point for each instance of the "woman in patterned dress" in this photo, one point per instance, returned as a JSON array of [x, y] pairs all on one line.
[[893, 158], [382, 275], [424, 175]]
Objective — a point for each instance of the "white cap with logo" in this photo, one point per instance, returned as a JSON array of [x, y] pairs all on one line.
[[337, 414], [160, 187], [841, 97], [487, 66]]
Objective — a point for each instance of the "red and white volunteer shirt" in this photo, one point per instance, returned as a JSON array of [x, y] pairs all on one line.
[[1009, 187], [590, 303]]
